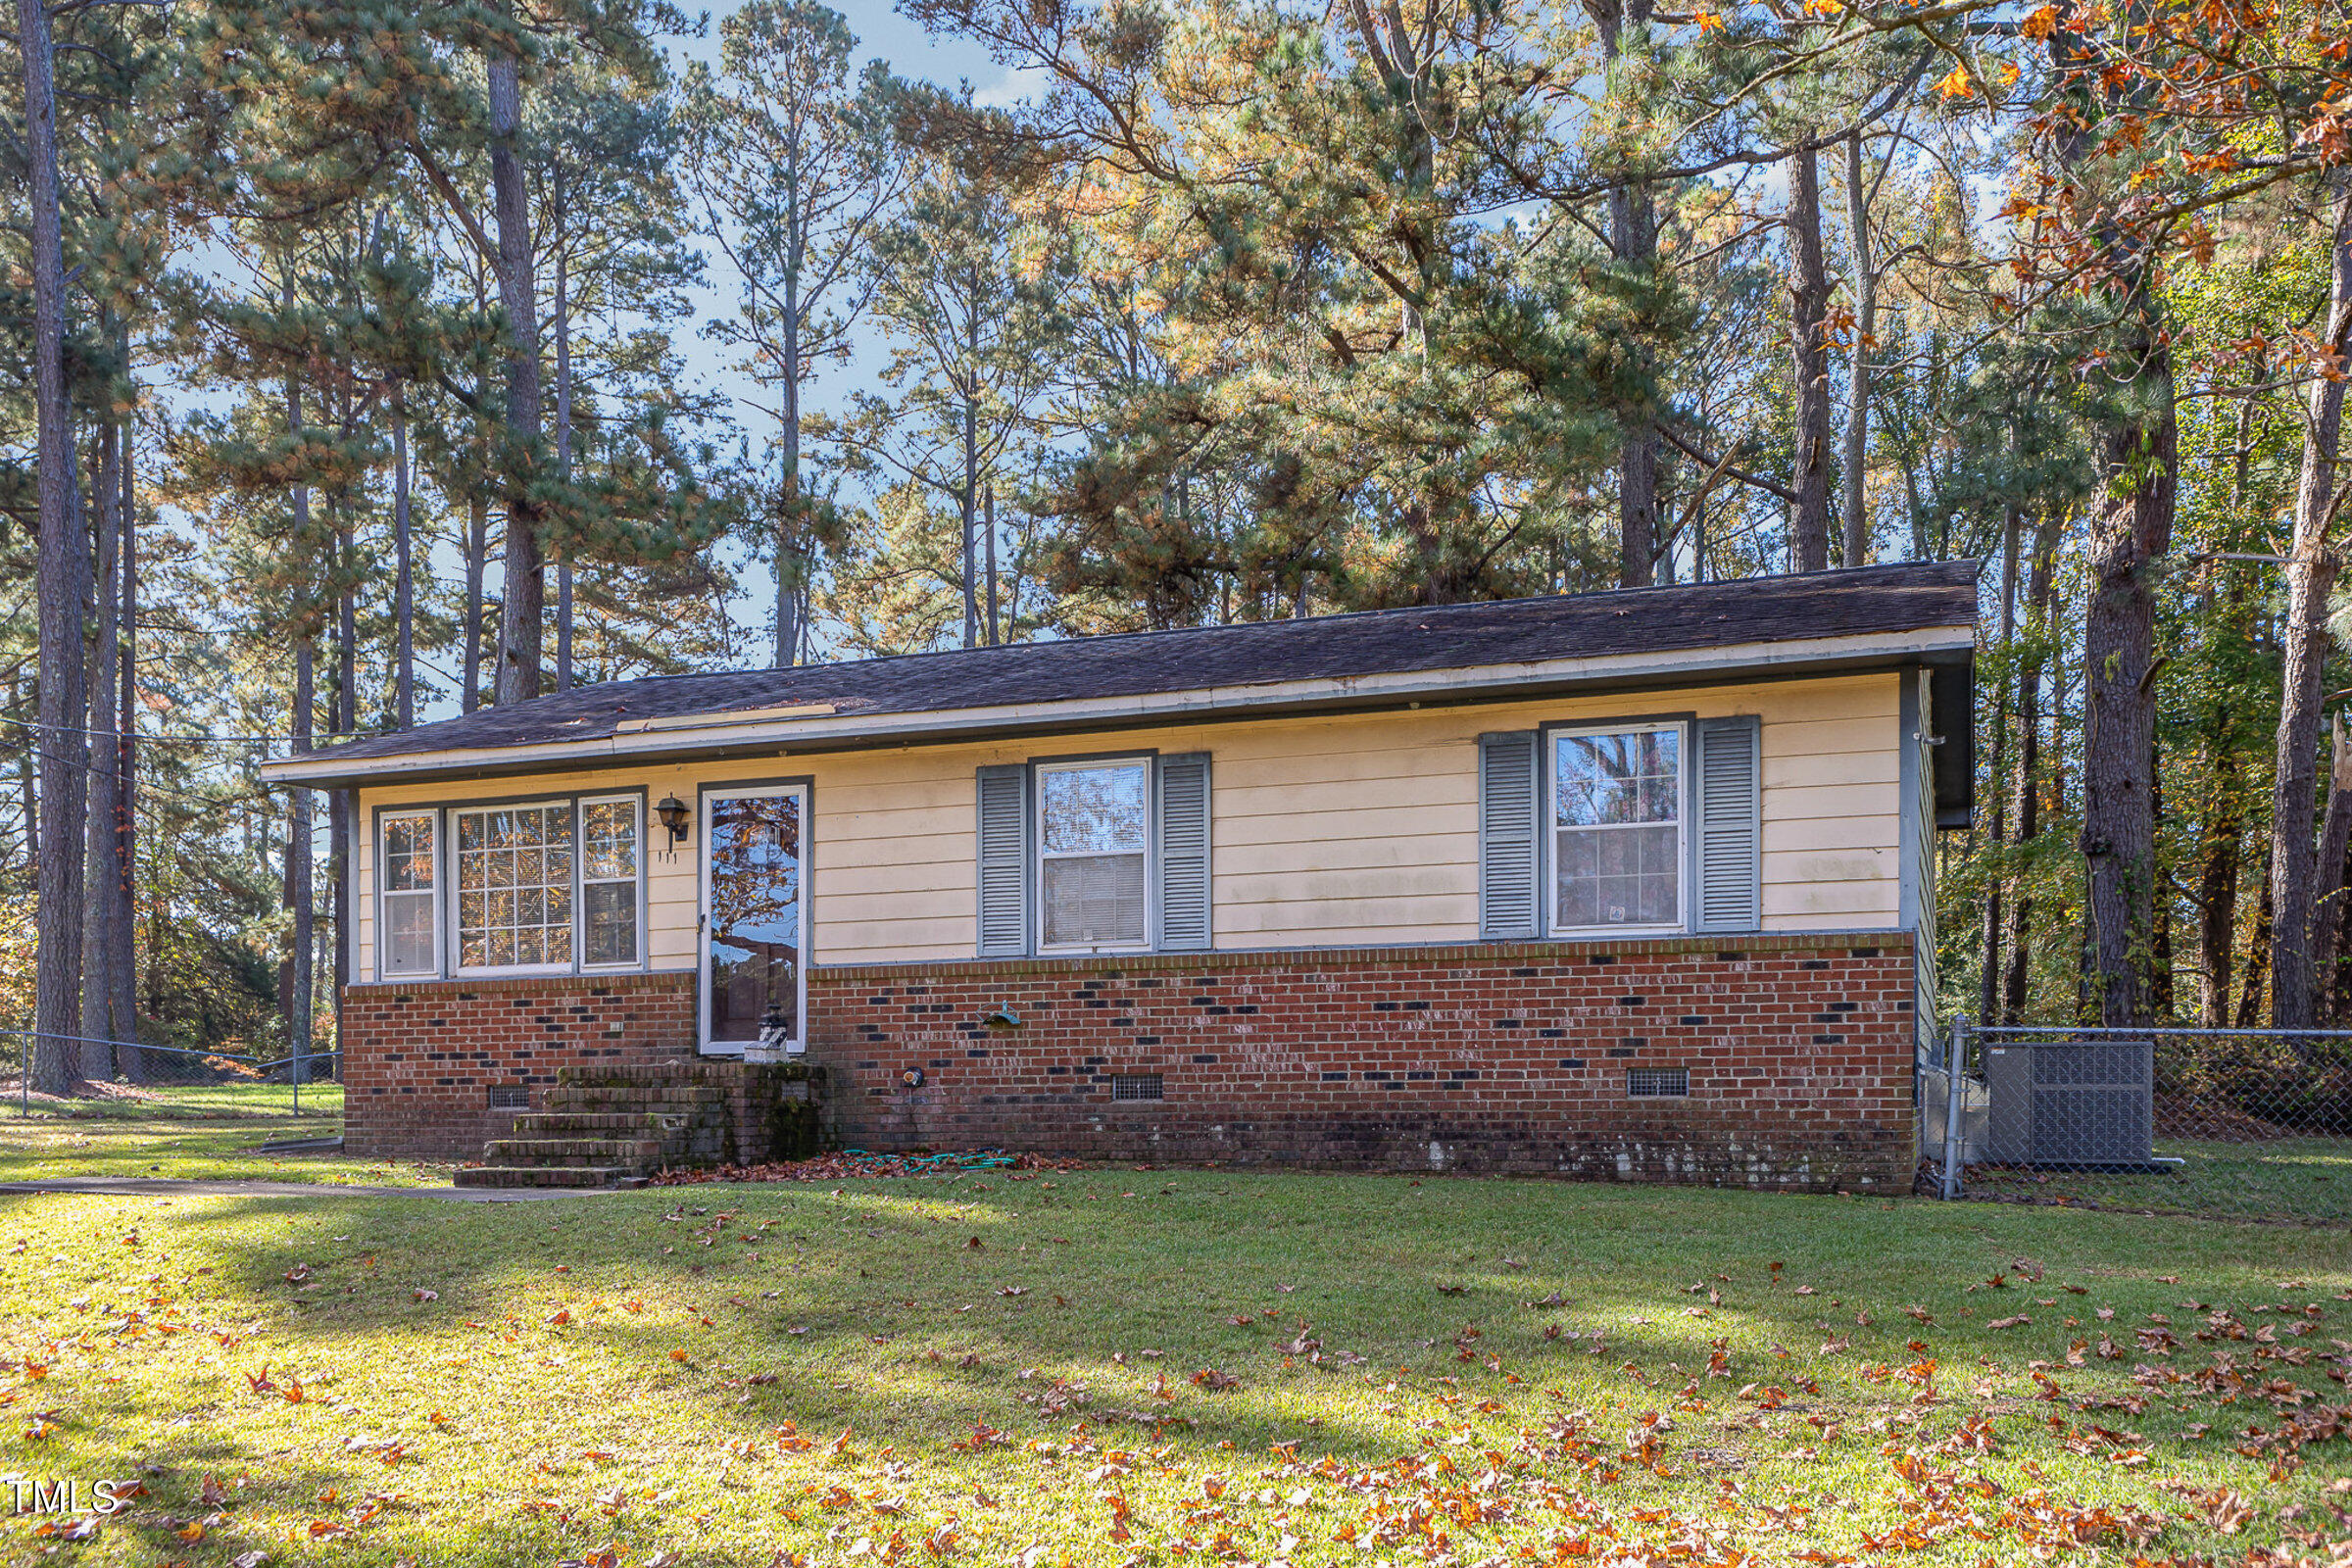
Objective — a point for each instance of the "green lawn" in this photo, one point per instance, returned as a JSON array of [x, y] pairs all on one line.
[[234, 1101], [2299, 1179], [1172, 1367], [208, 1132]]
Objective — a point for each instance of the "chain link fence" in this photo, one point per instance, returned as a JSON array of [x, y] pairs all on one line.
[[119, 1093], [2229, 1124]]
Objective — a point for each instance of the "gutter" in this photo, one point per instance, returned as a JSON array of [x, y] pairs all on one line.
[[810, 728]]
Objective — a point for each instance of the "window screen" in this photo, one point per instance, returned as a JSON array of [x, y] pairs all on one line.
[[515, 868], [1092, 842], [411, 887], [1138, 1086], [609, 832], [1617, 827]]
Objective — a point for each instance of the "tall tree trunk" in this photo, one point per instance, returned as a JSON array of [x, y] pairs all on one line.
[[296, 991], [1634, 242], [788, 507], [2328, 891], [403, 579], [2258, 958], [995, 630], [124, 967], [2217, 898], [2025, 785], [1809, 353], [1858, 382], [2160, 919], [105, 752], [522, 600], [296, 986], [965, 499], [562, 433], [477, 564], [345, 717], [57, 970], [1988, 970], [2311, 571], [2131, 528], [1633, 237], [28, 791]]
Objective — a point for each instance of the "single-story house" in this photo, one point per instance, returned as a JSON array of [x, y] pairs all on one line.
[[1632, 884]]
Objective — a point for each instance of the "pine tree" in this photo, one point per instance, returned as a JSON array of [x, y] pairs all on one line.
[[790, 152]]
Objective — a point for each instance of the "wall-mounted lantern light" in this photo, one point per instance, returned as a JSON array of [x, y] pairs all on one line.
[[675, 816]]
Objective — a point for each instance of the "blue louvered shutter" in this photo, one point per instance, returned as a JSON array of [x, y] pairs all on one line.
[[1184, 853], [1729, 772], [1003, 862], [1508, 816]]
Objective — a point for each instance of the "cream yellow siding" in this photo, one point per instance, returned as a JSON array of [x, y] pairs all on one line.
[[1353, 830]]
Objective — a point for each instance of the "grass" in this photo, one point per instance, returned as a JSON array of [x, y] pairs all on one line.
[[2307, 1179], [1170, 1367], [210, 1132]]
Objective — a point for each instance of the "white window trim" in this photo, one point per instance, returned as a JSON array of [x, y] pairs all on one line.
[[1552, 737], [384, 893], [1038, 855], [456, 945], [704, 1043], [635, 802]]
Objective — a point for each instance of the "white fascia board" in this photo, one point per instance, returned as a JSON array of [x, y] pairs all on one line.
[[817, 733]]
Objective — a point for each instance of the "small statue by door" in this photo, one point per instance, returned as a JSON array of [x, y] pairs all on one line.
[[775, 1039]]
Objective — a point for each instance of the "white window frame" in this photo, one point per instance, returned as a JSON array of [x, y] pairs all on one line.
[[710, 793], [385, 893], [456, 946], [580, 879], [1552, 735], [1142, 762]]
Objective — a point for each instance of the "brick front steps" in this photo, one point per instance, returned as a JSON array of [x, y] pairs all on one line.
[[617, 1125]]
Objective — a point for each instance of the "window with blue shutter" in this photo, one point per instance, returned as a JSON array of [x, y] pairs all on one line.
[[1508, 795], [1105, 855]]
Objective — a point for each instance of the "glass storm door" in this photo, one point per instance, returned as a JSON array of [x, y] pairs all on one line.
[[755, 919]]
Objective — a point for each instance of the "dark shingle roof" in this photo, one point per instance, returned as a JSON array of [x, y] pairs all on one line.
[[1509, 632]]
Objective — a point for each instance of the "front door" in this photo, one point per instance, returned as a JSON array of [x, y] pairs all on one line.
[[755, 919]]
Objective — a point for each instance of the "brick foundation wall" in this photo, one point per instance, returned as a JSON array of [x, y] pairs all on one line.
[[1505, 1057], [420, 1057]]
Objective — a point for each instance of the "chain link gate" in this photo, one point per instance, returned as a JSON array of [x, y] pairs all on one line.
[[132, 1098], [2229, 1123]]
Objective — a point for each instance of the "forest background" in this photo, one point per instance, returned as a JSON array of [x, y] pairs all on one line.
[[368, 361]]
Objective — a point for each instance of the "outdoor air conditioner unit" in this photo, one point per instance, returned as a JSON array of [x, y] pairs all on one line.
[[2073, 1104]]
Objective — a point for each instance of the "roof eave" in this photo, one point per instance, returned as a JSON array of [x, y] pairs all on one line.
[[721, 737]]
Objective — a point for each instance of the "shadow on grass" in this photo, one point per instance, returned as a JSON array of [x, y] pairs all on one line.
[[639, 1327], [861, 1302]]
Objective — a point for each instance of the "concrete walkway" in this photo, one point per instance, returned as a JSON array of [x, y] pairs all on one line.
[[158, 1187]]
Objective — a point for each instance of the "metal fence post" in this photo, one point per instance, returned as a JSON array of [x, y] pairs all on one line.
[[1952, 1095]]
